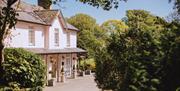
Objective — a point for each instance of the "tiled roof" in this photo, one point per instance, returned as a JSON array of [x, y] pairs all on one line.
[[47, 15], [36, 14], [58, 51], [71, 27], [30, 17]]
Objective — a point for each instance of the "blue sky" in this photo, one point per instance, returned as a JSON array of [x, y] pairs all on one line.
[[71, 7]]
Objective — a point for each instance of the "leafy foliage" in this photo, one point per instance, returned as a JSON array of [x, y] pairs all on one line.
[[23, 69], [174, 16], [47, 3], [144, 58], [142, 19], [171, 47], [176, 5], [88, 64], [107, 76], [112, 26], [105, 4], [90, 35]]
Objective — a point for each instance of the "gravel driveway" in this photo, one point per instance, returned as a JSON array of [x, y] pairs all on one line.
[[80, 84]]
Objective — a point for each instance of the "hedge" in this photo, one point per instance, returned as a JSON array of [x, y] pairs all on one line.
[[22, 69]]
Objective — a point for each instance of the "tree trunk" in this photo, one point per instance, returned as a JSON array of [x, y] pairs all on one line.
[[1, 52], [4, 28]]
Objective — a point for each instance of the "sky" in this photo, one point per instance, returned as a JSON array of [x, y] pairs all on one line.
[[69, 8]]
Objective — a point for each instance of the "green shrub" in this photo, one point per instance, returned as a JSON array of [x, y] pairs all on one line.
[[140, 60], [22, 69], [88, 64]]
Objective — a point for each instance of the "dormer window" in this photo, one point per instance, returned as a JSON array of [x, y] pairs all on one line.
[[56, 36], [31, 35]]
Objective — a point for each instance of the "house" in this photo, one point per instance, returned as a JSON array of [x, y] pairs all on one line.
[[46, 33]]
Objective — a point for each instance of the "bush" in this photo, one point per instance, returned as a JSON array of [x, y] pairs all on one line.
[[140, 60], [22, 69], [88, 64]]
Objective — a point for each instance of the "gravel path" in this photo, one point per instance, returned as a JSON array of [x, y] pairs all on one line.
[[80, 84]]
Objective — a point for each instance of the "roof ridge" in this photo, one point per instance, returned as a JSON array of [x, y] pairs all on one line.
[[36, 16], [64, 21]]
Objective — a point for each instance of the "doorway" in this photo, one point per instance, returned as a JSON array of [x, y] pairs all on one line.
[[68, 64]]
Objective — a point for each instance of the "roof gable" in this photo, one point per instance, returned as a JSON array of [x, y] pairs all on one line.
[[36, 14], [49, 16]]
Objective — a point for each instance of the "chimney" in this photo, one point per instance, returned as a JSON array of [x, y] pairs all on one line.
[[46, 4]]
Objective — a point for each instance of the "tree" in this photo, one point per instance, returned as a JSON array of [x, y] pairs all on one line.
[[90, 35], [7, 21], [142, 19], [82, 22], [176, 5], [144, 58], [171, 47], [112, 26], [105, 4], [175, 17]]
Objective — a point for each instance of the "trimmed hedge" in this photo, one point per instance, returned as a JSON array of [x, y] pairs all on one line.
[[22, 69]]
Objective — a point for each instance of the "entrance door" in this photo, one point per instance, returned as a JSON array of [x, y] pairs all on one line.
[[68, 65]]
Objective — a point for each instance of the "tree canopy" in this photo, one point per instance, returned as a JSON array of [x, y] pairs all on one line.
[[105, 4], [176, 5], [142, 19], [90, 35], [143, 58], [112, 26]]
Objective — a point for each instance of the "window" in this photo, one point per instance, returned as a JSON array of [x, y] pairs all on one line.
[[56, 36], [31, 36], [68, 39]]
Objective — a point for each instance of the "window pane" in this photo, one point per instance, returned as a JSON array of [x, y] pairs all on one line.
[[68, 39], [56, 36], [31, 36]]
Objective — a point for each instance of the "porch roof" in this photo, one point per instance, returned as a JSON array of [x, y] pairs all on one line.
[[56, 51]]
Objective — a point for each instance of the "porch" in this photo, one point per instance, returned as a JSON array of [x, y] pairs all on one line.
[[61, 63]]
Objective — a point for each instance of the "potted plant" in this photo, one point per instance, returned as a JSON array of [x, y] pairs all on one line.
[[51, 81]]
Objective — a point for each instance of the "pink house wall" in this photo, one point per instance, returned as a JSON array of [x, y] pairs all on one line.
[[62, 36], [44, 36], [19, 36]]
